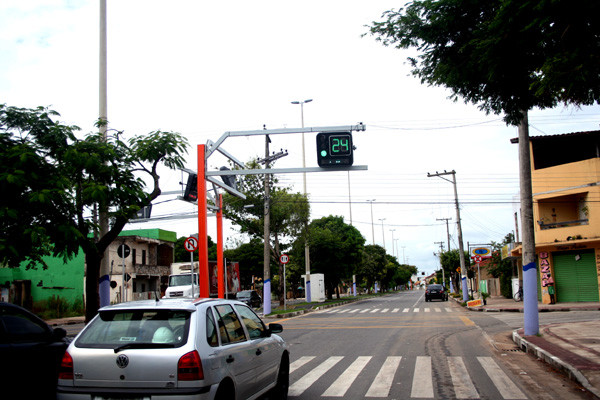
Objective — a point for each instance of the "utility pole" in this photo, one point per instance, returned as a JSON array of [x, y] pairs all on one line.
[[530, 306], [267, 226], [447, 228], [441, 266], [267, 238], [463, 269]]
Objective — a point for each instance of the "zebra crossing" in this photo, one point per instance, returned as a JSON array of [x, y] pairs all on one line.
[[389, 310], [306, 371]]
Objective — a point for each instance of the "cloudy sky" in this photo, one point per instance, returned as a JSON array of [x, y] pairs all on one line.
[[205, 68]]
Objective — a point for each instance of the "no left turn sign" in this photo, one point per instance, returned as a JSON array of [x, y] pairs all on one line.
[[191, 244]]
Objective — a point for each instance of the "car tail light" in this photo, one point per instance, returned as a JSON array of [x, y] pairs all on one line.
[[66, 367], [189, 367]]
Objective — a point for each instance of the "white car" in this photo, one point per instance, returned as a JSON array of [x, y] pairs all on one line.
[[176, 349]]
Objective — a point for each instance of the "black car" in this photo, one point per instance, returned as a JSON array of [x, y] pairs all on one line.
[[436, 292], [31, 352], [250, 297]]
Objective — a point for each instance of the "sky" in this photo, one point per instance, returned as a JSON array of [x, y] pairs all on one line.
[[206, 68]]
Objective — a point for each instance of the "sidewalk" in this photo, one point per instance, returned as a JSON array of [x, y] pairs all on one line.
[[572, 348]]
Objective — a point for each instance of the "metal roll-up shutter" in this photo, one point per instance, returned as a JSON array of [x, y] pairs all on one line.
[[575, 276]]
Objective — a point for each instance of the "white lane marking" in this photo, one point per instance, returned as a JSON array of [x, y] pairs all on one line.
[[385, 378], [307, 380], [343, 382], [463, 387], [405, 310], [505, 386], [395, 310], [375, 310], [300, 362], [422, 385]]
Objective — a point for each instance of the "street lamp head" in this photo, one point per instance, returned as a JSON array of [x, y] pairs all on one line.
[[308, 100], [295, 102]]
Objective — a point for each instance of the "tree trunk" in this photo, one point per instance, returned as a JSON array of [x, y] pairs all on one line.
[[92, 296]]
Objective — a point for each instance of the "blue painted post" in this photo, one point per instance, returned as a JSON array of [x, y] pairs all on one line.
[[267, 297], [530, 299]]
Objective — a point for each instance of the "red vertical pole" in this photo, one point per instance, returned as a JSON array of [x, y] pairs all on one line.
[[202, 226], [220, 264]]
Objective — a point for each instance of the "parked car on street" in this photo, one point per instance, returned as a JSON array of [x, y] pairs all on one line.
[[250, 297], [30, 352], [436, 292], [176, 349]]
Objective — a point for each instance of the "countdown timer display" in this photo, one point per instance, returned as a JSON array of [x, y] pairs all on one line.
[[334, 149]]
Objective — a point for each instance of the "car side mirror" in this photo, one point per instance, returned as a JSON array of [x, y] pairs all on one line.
[[275, 328], [58, 334]]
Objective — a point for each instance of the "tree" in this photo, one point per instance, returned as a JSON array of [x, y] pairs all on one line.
[[502, 268], [288, 211], [450, 261], [250, 257], [373, 265], [335, 250], [505, 56], [58, 180]]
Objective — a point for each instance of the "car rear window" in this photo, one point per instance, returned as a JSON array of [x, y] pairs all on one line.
[[114, 328]]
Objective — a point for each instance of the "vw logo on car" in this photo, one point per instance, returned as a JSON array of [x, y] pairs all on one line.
[[122, 361]]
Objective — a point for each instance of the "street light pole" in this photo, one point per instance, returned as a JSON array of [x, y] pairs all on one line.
[[392, 230], [463, 268], [372, 224], [307, 290], [382, 232]]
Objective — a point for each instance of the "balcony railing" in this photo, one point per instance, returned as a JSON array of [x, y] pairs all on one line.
[[563, 224]]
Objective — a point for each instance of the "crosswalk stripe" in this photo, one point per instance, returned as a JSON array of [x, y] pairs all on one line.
[[300, 362], [344, 310], [449, 309], [395, 310], [307, 380], [463, 387], [427, 310], [382, 384], [375, 310], [353, 311], [385, 310], [364, 311], [437, 310], [422, 385], [505, 386], [405, 310], [416, 310], [342, 384]]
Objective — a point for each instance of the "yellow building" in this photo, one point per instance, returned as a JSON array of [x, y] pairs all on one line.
[[565, 172]]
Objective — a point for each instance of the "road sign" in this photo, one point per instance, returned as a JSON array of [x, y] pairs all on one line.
[[123, 251], [477, 259], [191, 244], [284, 259]]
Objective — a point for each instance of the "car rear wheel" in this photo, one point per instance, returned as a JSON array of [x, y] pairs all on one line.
[[225, 391]]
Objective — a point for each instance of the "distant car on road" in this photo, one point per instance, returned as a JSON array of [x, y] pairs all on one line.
[[30, 352], [176, 348], [436, 292], [250, 297]]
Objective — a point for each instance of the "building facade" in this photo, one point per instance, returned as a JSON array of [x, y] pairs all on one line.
[[565, 173]]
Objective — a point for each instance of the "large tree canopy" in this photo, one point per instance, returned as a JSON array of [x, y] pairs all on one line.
[[504, 56], [335, 250], [53, 181]]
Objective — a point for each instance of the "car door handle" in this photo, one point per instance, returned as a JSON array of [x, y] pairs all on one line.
[[230, 359], [258, 352]]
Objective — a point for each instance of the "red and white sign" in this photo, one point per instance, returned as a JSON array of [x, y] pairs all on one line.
[[477, 259], [284, 259], [191, 244]]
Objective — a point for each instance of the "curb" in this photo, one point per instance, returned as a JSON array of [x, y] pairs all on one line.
[[554, 362]]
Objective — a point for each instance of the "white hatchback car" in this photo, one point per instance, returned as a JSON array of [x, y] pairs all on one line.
[[176, 349]]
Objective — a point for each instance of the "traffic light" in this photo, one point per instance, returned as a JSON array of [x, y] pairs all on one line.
[[191, 189], [334, 149]]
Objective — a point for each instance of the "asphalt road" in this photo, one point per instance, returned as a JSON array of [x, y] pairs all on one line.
[[401, 347]]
